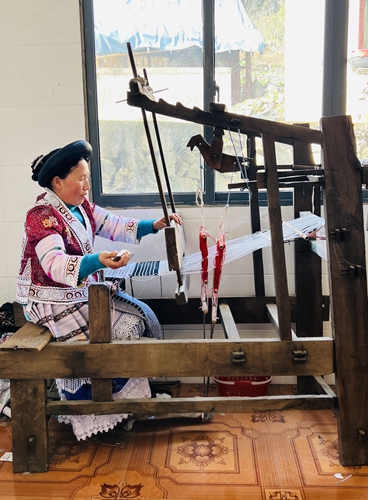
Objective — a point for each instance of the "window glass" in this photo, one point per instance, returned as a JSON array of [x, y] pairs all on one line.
[[167, 43], [357, 74], [281, 79], [268, 58]]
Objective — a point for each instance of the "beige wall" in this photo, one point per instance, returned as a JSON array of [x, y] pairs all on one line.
[[41, 108]]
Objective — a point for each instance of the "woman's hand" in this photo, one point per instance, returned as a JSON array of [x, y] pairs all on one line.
[[161, 223], [108, 259]]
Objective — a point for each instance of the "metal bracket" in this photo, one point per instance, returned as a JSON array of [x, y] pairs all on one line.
[[352, 271], [340, 234], [238, 357], [300, 356]]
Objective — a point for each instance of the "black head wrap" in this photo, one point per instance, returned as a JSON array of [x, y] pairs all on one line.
[[59, 162]]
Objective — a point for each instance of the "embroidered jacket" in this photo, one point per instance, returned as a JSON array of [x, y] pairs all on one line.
[[54, 243]]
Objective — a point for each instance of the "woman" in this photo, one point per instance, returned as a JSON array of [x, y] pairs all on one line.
[[58, 265]]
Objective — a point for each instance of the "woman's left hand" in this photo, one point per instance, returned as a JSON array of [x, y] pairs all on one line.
[[161, 223]]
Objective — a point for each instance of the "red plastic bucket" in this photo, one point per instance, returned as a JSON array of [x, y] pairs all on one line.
[[243, 386]]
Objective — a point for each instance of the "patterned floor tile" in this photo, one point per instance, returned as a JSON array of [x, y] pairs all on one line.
[[283, 494], [270, 455], [317, 454]]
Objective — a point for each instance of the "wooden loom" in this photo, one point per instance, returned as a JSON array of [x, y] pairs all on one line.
[[28, 358]]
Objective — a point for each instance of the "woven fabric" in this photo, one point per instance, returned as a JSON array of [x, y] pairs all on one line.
[[85, 426]]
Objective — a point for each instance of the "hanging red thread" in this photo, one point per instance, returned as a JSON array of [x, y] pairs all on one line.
[[217, 270], [203, 246]]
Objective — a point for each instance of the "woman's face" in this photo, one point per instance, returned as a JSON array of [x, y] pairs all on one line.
[[74, 188]]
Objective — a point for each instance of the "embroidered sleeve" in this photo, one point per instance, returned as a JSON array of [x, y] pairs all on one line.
[[115, 227], [58, 266]]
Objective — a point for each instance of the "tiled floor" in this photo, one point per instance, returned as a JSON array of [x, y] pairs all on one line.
[[273, 455]]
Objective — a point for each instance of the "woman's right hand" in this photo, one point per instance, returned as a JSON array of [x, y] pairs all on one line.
[[107, 259]]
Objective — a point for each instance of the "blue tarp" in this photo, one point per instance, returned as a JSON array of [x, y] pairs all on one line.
[[170, 25]]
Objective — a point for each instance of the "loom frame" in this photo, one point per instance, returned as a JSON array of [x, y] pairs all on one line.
[[28, 360]]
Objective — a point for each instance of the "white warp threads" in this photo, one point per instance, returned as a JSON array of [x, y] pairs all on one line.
[[236, 248]]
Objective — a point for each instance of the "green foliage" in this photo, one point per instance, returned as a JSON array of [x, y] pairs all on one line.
[[267, 100], [126, 163], [361, 139]]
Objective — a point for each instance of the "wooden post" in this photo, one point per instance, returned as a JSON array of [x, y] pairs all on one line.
[[308, 269], [255, 218], [100, 332], [29, 425], [278, 250], [348, 285]]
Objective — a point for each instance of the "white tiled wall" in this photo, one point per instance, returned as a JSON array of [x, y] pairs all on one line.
[[41, 108]]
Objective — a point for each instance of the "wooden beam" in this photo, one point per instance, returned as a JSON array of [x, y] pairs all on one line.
[[228, 323], [289, 175], [29, 425], [325, 388], [255, 218], [274, 319], [156, 406], [348, 285], [278, 250], [308, 285], [169, 358], [244, 124], [100, 332]]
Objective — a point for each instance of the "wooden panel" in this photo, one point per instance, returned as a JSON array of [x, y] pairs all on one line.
[[29, 337], [348, 285], [156, 406], [278, 250], [174, 358], [29, 425], [175, 245]]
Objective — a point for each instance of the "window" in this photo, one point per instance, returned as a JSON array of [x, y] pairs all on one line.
[[261, 58], [357, 74]]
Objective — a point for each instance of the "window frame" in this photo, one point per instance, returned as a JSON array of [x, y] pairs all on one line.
[[333, 102]]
